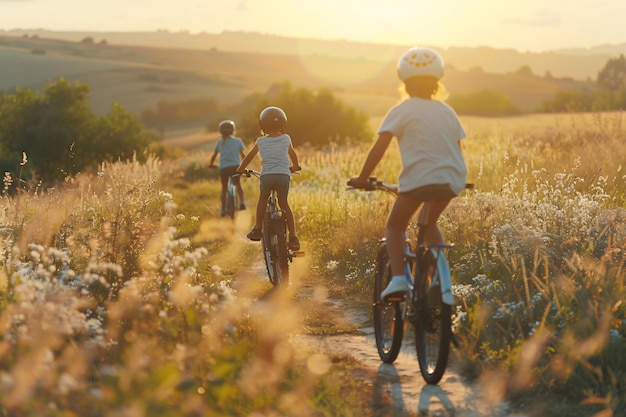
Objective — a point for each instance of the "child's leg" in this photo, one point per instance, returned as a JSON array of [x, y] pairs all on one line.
[[260, 210], [238, 188], [224, 181], [397, 223], [433, 233], [255, 234], [291, 224]]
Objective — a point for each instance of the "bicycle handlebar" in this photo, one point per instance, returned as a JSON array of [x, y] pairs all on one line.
[[374, 184], [252, 173]]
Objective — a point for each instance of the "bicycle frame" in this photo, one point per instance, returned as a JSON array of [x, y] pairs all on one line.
[[275, 242], [276, 252], [428, 304]]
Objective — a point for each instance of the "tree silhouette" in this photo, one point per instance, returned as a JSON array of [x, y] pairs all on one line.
[[613, 76], [60, 134], [317, 118]]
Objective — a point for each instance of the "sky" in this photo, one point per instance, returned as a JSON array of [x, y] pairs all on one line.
[[525, 25]]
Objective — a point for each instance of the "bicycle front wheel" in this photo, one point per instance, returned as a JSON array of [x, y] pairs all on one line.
[[433, 330], [388, 325], [280, 252]]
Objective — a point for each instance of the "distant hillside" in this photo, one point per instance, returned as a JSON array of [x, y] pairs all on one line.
[[140, 76], [575, 63]]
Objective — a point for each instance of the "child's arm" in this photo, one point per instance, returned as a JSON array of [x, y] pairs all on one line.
[[211, 164], [373, 158], [215, 152], [294, 158], [242, 154], [247, 159]]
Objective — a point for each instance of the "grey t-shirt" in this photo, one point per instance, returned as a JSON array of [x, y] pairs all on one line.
[[274, 151]]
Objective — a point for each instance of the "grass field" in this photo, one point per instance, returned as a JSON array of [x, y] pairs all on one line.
[[123, 293]]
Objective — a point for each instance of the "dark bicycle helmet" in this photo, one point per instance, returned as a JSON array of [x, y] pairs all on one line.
[[227, 126], [272, 118]]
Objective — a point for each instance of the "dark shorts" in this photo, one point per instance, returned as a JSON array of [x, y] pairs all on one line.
[[278, 182], [227, 172], [433, 192]]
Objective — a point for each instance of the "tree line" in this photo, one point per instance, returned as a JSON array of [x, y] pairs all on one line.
[[59, 135], [52, 135], [609, 94], [314, 117]]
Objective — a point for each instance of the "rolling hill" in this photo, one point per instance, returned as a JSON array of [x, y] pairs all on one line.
[[138, 76]]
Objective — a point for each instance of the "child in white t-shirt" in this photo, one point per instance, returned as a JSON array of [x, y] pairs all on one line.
[[279, 160], [433, 168], [230, 150]]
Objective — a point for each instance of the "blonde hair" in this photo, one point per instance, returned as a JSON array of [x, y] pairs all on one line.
[[415, 87]]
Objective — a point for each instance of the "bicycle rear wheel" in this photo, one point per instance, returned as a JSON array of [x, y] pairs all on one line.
[[280, 252], [231, 205], [267, 250], [388, 325], [433, 330]]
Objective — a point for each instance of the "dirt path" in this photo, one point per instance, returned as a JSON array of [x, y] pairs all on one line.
[[335, 327], [398, 389]]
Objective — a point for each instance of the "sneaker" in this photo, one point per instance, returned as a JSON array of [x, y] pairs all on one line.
[[398, 287], [255, 234], [294, 243], [242, 206], [223, 213]]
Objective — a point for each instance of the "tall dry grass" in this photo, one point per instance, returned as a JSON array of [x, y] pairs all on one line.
[[108, 309], [117, 294], [538, 261]]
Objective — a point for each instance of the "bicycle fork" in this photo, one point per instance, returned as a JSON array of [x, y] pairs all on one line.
[[441, 275]]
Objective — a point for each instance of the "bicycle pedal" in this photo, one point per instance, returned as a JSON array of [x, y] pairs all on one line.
[[298, 253]]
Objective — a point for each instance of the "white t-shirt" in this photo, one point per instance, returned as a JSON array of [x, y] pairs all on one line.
[[428, 133], [229, 151], [274, 151]]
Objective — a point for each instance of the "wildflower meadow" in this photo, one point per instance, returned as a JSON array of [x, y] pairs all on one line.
[[122, 292]]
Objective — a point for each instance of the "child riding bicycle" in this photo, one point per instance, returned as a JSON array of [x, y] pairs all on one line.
[[433, 168], [278, 161], [230, 149]]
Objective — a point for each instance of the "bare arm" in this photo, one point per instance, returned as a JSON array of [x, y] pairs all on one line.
[[294, 157], [373, 158], [248, 158], [211, 164]]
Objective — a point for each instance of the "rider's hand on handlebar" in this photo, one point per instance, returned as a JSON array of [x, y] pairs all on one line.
[[356, 182]]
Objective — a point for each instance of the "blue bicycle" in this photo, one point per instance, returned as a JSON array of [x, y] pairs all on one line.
[[428, 306]]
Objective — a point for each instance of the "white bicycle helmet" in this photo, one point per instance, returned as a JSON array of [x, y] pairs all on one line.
[[420, 61], [227, 126]]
